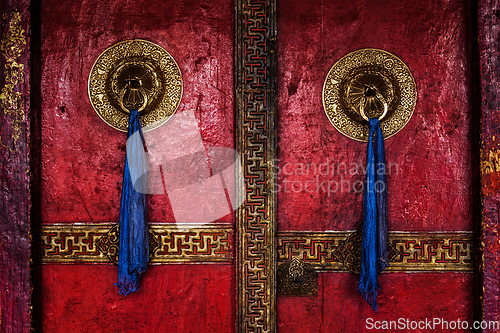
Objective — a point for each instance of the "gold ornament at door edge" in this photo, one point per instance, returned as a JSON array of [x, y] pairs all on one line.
[[135, 74], [371, 80]]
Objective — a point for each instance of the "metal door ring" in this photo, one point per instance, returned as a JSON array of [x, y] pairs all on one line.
[[135, 74], [369, 83]]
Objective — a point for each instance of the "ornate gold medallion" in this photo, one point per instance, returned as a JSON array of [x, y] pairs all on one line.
[[135, 74], [369, 83]]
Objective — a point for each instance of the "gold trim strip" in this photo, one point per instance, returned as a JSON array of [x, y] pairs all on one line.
[[255, 50], [438, 251], [174, 243], [315, 248], [412, 252], [73, 243], [184, 243]]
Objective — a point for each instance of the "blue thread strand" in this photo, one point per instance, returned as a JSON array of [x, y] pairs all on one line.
[[133, 256], [381, 197], [374, 243]]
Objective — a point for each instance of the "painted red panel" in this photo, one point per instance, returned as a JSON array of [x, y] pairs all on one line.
[[429, 160], [173, 298], [405, 298], [82, 160], [82, 156]]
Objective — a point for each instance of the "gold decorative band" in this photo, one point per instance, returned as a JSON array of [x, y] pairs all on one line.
[[169, 243], [325, 251], [413, 252]]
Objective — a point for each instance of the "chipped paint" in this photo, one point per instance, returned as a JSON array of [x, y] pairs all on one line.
[[491, 163], [12, 45]]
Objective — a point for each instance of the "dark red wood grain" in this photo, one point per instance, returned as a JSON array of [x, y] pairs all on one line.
[[489, 33], [15, 177]]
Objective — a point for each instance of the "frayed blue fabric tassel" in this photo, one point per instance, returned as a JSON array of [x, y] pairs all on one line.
[[133, 255], [375, 241]]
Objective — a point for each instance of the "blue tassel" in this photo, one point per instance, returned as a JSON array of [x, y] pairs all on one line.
[[383, 250], [133, 256], [375, 241]]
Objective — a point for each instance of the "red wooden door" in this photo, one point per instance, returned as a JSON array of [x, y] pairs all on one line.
[[190, 285], [430, 170], [262, 63]]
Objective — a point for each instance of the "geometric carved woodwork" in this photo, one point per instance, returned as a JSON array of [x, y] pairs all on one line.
[[301, 252], [324, 251], [348, 251], [417, 252], [432, 251], [73, 243], [109, 244], [256, 141], [169, 243]]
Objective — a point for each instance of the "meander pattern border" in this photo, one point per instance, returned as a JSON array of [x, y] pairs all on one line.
[[189, 243], [411, 251], [256, 141], [172, 243]]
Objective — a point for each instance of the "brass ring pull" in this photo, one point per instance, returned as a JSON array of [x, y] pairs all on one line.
[[378, 96], [140, 90]]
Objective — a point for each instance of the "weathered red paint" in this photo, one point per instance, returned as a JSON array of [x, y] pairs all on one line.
[[431, 178], [82, 156], [428, 36], [15, 177], [404, 298], [173, 298], [489, 32], [82, 160]]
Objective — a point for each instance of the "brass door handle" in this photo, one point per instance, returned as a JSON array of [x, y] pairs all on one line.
[[378, 95], [134, 85]]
